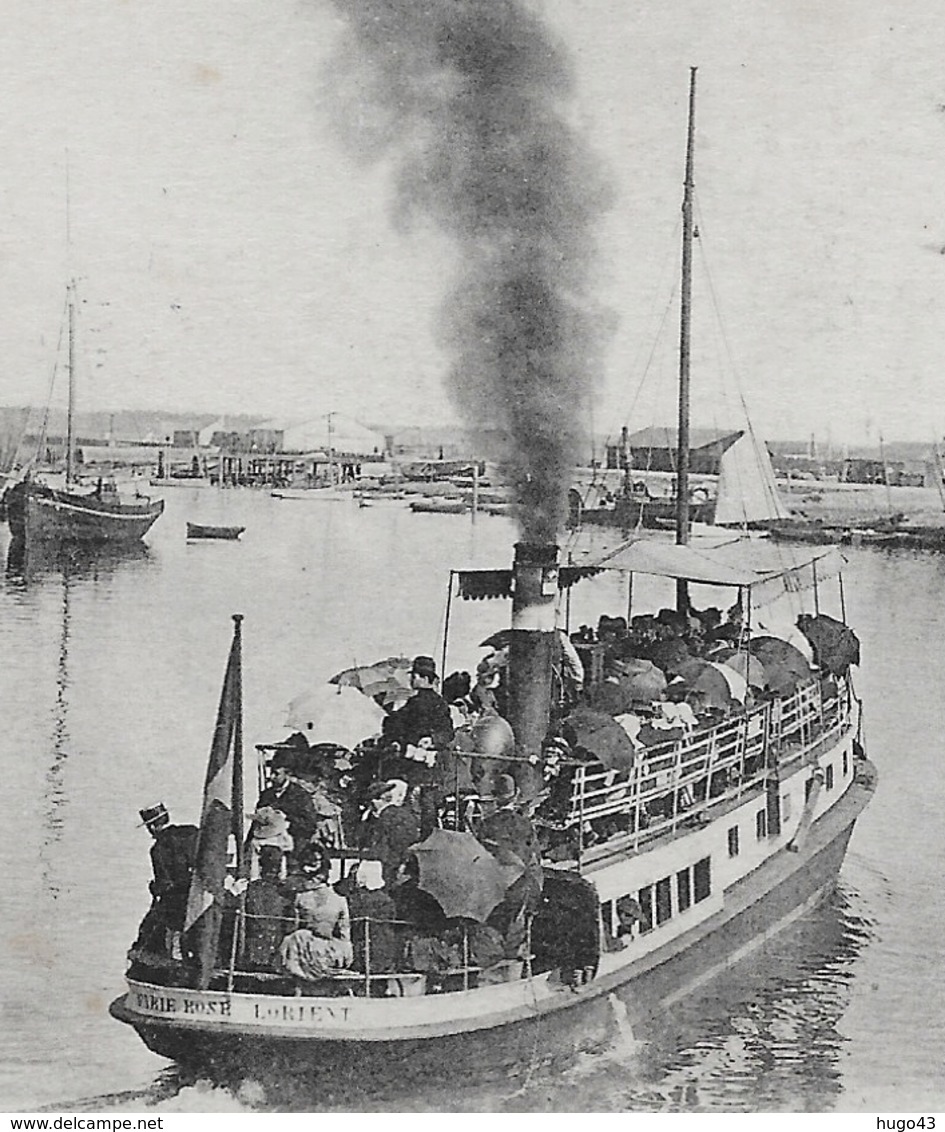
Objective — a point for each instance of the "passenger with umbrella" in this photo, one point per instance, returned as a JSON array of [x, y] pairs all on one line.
[[420, 728], [835, 645], [450, 885]]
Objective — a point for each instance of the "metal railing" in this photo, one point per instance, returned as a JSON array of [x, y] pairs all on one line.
[[682, 778]]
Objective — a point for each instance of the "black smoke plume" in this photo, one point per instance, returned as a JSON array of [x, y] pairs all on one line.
[[469, 100]]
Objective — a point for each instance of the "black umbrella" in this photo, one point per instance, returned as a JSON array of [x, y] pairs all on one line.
[[601, 736], [785, 665], [461, 875], [835, 645]]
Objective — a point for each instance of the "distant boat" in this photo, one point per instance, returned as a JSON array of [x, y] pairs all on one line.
[[328, 494], [179, 481], [200, 530], [38, 512], [440, 506]]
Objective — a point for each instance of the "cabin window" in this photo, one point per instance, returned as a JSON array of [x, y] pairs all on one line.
[[607, 918], [683, 890], [702, 878], [828, 782], [645, 900], [629, 914], [846, 763], [664, 900], [761, 825], [785, 808], [733, 841]]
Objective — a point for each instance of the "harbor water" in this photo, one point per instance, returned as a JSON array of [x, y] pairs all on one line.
[[112, 667]]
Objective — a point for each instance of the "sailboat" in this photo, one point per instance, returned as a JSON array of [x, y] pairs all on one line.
[[38, 512], [330, 492], [746, 494]]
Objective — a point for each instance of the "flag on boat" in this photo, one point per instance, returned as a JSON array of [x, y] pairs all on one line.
[[222, 815]]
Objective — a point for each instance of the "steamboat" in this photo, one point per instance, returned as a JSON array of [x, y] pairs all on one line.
[[659, 870], [692, 794]]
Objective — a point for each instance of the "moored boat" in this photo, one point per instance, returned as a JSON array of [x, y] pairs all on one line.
[[201, 530], [39, 512]]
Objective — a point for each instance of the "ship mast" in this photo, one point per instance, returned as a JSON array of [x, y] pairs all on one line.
[[682, 439], [331, 451], [70, 427]]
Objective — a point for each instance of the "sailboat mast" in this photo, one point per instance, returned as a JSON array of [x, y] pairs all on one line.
[[331, 451], [70, 427], [685, 316]]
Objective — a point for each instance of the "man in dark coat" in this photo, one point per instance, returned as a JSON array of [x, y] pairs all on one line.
[[423, 724], [389, 829], [293, 800], [173, 856], [425, 716], [510, 837]]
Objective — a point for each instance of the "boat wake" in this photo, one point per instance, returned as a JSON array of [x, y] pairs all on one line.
[[621, 1048]]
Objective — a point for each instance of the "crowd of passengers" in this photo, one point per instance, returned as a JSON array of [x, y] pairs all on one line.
[[441, 760], [374, 919]]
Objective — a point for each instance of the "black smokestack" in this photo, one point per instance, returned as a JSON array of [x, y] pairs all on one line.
[[531, 654], [469, 98]]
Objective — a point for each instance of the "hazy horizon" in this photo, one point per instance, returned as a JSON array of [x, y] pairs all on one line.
[[233, 255]]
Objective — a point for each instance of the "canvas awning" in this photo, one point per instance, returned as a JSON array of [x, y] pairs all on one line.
[[741, 562], [478, 585], [735, 562]]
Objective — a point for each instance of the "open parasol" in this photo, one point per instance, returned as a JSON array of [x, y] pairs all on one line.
[[601, 736], [386, 681], [785, 666], [750, 667], [835, 645], [337, 715], [462, 875]]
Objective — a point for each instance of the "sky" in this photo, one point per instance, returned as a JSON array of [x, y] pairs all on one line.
[[234, 253]]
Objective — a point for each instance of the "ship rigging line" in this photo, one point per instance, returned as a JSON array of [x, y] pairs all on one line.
[[729, 354], [41, 440], [658, 336]]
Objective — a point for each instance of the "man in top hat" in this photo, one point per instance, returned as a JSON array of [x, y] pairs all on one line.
[[425, 718], [425, 724], [173, 856]]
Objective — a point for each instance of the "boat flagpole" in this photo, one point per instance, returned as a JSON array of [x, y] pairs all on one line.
[[220, 819], [685, 316]]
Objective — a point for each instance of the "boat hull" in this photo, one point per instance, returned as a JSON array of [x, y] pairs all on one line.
[[755, 909], [629, 512], [44, 515], [197, 530]]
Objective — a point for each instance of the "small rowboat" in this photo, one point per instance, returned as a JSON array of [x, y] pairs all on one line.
[[197, 530]]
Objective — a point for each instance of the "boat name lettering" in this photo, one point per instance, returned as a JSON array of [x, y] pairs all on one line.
[[166, 1004], [286, 1012]]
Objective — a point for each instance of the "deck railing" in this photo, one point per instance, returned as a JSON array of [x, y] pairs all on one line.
[[681, 778]]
